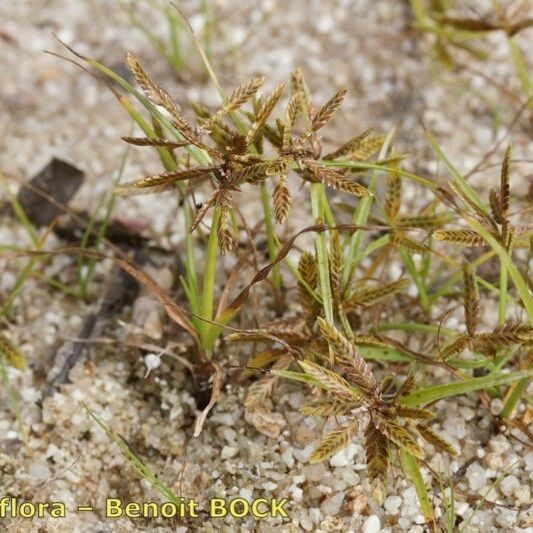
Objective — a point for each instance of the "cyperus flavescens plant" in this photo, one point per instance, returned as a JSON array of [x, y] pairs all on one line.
[[233, 156], [368, 406]]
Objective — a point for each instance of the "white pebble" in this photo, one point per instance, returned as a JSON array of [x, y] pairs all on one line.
[[228, 452], [332, 505], [247, 494], [508, 485], [372, 524], [392, 504], [477, 476], [288, 458], [151, 361]]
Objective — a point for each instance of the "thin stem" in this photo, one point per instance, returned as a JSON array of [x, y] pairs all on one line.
[[317, 206], [502, 303], [208, 288], [422, 293]]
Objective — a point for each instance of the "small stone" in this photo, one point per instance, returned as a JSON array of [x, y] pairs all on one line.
[[528, 459], [496, 406], [151, 361], [332, 505], [270, 486], [392, 504], [297, 494], [462, 508], [228, 452], [339, 459], [288, 458], [39, 472], [314, 472], [508, 485], [494, 460], [499, 444], [507, 518], [467, 413], [476, 476], [332, 523], [523, 494], [246, 493], [404, 522], [358, 500], [314, 514], [305, 520], [372, 524]]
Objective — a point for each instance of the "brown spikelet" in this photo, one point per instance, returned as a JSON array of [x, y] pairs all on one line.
[[422, 221], [154, 93], [496, 206], [10, 353], [281, 198], [436, 440], [386, 384], [251, 173], [508, 235], [308, 272], [398, 435], [393, 197], [299, 86], [171, 177], [330, 380], [377, 461], [367, 297], [263, 113], [294, 106], [237, 99], [335, 266], [443, 55], [471, 298], [147, 141], [330, 407], [370, 340], [333, 442], [226, 242], [457, 346], [399, 239], [346, 353], [159, 96], [366, 149], [335, 180], [342, 348], [308, 269], [415, 413], [350, 146], [464, 237], [405, 388], [508, 334], [328, 110]]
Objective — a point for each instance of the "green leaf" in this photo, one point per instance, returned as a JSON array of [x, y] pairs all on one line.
[[412, 469], [298, 376], [431, 394]]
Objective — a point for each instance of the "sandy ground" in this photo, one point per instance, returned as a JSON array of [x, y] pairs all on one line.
[[48, 107]]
